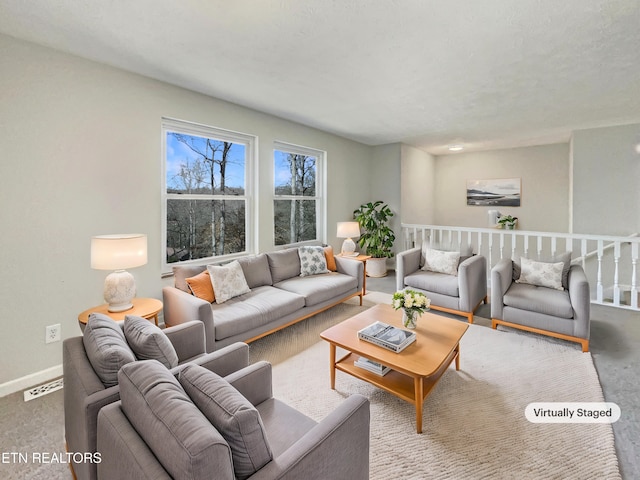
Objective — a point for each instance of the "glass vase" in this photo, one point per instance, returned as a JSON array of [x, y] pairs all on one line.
[[410, 318]]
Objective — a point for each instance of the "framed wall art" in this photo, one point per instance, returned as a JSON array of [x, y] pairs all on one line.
[[495, 192]]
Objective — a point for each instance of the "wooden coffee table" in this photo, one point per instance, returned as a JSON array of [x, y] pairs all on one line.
[[415, 370]]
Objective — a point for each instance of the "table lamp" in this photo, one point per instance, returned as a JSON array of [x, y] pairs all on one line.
[[348, 230], [117, 252]]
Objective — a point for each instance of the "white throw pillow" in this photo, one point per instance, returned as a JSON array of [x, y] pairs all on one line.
[[541, 274], [312, 261], [228, 281], [440, 261]]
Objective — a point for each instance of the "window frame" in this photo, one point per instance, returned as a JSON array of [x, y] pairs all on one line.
[[251, 144], [321, 191]]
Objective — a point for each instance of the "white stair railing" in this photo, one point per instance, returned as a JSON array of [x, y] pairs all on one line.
[[610, 262]]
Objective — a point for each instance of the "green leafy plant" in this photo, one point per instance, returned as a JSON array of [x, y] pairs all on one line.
[[377, 237], [507, 221]]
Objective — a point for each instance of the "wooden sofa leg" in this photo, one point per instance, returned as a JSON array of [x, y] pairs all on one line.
[[494, 323], [585, 345], [470, 317]]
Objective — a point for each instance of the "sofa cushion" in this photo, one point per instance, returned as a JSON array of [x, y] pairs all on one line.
[[284, 264], [254, 309], [180, 436], [284, 424], [228, 281], [232, 415], [542, 274], [106, 348], [319, 288], [181, 273], [201, 286], [256, 270], [148, 342], [539, 299], [565, 258], [331, 260], [312, 261], [434, 282], [440, 261]]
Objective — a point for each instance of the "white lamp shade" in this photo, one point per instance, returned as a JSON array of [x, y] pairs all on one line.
[[348, 229], [117, 252]]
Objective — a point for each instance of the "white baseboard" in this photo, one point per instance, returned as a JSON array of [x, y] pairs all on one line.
[[30, 380]]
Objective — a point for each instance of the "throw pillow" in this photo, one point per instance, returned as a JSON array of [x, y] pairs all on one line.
[[232, 415], [565, 258], [256, 270], [284, 264], [331, 261], [148, 342], [178, 434], [201, 286], [541, 274], [106, 348], [183, 272], [441, 262], [312, 261], [228, 281]]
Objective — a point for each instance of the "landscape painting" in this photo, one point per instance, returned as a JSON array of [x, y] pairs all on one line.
[[501, 192]]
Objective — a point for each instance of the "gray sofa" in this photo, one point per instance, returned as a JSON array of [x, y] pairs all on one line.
[[85, 394], [163, 428], [279, 297], [460, 295], [558, 313]]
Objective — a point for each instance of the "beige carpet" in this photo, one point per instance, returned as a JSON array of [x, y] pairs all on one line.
[[474, 423]]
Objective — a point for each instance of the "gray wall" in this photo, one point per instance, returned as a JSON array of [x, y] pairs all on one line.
[[81, 149], [417, 186], [606, 180], [544, 171], [385, 185]]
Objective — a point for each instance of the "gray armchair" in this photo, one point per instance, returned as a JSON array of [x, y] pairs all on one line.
[[85, 395], [558, 313], [165, 431], [460, 295]]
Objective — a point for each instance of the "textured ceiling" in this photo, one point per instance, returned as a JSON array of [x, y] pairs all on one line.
[[430, 73]]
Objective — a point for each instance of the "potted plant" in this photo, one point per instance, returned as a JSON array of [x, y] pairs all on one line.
[[377, 237], [508, 222]]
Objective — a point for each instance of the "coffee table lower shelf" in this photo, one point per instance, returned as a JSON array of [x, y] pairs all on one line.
[[410, 388]]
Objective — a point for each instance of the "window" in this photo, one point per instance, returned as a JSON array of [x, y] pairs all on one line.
[[299, 195], [207, 192]]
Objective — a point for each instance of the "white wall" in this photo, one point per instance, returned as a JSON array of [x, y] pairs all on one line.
[[606, 180], [417, 186], [81, 155], [544, 171], [385, 186]]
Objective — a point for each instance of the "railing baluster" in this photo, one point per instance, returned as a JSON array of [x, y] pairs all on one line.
[[599, 287], [526, 246], [583, 253], [634, 281], [616, 274], [539, 245], [490, 257], [501, 245], [553, 246]]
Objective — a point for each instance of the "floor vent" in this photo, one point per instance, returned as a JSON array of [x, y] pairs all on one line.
[[39, 391]]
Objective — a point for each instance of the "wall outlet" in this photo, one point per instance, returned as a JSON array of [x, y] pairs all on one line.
[[53, 333]]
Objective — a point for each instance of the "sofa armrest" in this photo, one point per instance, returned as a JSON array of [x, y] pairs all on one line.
[[187, 339], [226, 360], [501, 279], [407, 262], [338, 447], [352, 268], [180, 307], [253, 382], [580, 301], [472, 281]]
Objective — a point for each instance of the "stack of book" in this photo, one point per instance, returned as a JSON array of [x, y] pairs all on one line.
[[387, 336], [372, 366]]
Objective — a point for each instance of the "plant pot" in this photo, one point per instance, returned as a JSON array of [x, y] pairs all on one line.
[[510, 226], [377, 267]]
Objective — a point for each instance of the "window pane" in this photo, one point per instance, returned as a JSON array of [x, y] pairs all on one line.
[[295, 221], [294, 174], [204, 165], [204, 228]]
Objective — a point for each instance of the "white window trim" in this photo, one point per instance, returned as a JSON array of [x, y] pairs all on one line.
[[251, 184], [321, 190]]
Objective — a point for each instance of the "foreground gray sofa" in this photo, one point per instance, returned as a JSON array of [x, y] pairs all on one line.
[[460, 295], [85, 394], [558, 313], [160, 431], [279, 297]]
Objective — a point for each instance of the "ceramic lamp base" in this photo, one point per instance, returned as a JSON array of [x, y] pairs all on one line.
[[348, 247], [119, 289]]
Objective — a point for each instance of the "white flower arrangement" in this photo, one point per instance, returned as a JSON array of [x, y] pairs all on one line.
[[410, 301]]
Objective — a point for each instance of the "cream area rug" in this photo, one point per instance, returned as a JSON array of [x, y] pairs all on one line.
[[474, 420]]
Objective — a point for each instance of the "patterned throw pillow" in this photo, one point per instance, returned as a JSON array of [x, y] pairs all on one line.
[[541, 274], [228, 281], [441, 262], [312, 261]]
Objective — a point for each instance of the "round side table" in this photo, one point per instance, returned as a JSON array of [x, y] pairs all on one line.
[[142, 307]]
